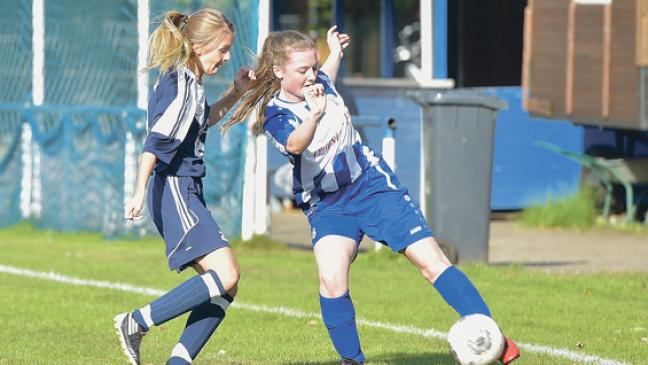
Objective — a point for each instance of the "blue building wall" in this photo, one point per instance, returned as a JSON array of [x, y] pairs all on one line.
[[523, 174]]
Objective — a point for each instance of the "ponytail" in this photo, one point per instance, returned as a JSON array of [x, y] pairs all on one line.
[[168, 45], [260, 92], [171, 43]]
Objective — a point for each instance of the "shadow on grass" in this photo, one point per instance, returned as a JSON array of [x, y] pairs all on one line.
[[397, 359]]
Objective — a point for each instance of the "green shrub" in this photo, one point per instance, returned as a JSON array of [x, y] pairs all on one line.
[[578, 211]]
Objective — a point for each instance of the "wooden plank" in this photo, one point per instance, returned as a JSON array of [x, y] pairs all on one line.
[[642, 33], [587, 63], [540, 106], [548, 55], [527, 55], [624, 74], [569, 86], [605, 77]]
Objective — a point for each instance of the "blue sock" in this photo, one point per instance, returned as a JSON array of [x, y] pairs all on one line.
[[201, 324], [184, 297], [339, 317], [457, 290]]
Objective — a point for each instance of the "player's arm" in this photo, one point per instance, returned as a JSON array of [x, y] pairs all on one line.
[[337, 42], [133, 208], [218, 109], [302, 136]]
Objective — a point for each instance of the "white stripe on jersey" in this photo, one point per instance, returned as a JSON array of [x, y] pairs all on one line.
[[177, 118], [329, 183], [389, 182]]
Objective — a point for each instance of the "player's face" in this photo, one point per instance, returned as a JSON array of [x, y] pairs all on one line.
[[214, 54], [300, 71]]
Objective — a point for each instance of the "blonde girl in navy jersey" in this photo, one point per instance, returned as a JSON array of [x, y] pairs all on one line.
[[345, 190], [185, 49]]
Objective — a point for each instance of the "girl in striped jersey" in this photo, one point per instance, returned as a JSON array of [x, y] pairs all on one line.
[[345, 190], [185, 48]]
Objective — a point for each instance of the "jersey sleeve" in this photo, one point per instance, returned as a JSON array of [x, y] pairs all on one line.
[[278, 128], [171, 111], [329, 85], [324, 77]]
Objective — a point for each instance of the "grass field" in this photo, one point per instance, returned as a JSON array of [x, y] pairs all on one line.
[[558, 319]]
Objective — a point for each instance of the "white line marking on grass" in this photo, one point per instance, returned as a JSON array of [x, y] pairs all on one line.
[[429, 333]]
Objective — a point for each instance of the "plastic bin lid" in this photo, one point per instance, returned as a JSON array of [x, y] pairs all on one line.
[[456, 97]]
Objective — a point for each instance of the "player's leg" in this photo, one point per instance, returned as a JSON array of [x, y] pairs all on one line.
[[204, 319], [334, 254], [453, 285], [220, 276]]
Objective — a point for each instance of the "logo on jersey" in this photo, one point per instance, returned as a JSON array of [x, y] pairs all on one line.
[[322, 150], [313, 233], [415, 229]]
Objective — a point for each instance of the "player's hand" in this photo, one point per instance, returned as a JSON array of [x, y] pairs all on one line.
[[337, 42], [315, 98], [242, 79], [133, 208]]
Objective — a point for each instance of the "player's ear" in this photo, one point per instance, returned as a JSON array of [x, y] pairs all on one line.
[[277, 71]]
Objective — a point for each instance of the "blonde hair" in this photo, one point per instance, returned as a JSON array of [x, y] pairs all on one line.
[[171, 43], [276, 51]]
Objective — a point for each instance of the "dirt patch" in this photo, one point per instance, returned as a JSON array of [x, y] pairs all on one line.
[[560, 250], [553, 250]]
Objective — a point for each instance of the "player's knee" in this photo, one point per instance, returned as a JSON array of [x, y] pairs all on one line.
[[333, 284], [232, 292], [230, 277], [431, 271], [221, 281]]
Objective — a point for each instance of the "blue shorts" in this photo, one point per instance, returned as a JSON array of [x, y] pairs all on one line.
[[376, 205], [178, 209]]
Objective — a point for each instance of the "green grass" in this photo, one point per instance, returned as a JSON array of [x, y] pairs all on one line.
[[45, 322], [578, 212]]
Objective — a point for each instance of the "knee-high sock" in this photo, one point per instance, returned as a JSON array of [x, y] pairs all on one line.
[[201, 324], [339, 317], [184, 297], [457, 290]]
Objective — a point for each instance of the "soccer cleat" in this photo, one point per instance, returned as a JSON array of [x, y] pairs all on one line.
[[130, 336], [510, 353]]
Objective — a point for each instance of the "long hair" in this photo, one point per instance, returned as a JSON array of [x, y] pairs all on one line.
[[171, 43], [276, 51]]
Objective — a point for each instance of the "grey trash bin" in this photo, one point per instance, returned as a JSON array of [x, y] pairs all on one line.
[[458, 129]]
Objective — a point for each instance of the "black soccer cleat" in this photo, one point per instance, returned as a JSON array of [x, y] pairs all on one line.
[[130, 336]]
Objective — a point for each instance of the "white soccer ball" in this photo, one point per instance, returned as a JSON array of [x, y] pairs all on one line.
[[476, 340]]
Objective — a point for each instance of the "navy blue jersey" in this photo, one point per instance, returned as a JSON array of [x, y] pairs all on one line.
[[177, 124]]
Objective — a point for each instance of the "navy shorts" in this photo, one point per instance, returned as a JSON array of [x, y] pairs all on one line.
[[376, 205], [179, 212]]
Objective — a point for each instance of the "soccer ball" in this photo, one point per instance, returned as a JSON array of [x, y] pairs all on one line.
[[476, 340]]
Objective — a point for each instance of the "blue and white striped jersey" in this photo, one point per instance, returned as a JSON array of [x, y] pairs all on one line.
[[336, 157], [177, 124]]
